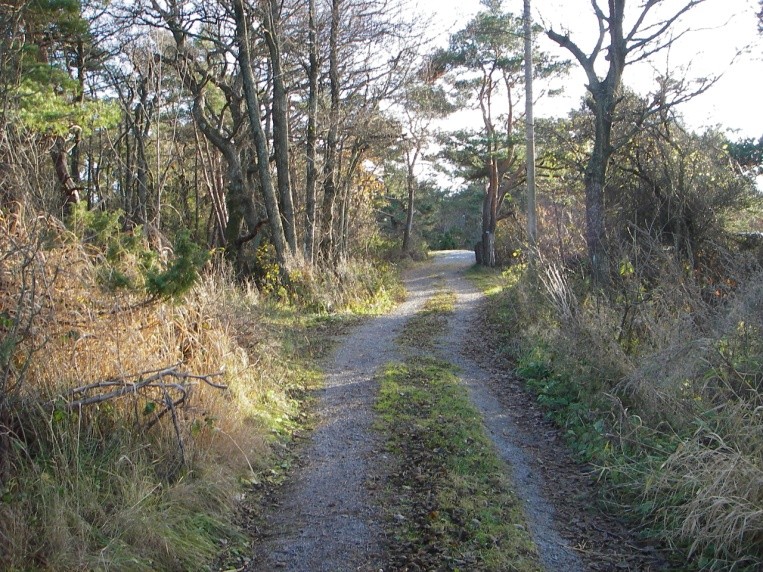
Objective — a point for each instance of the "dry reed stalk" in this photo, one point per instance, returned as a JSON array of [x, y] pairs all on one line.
[[559, 292], [722, 479]]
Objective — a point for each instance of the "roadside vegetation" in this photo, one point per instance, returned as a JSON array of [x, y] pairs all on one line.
[[450, 505], [422, 331], [144, 399], [669, 417]]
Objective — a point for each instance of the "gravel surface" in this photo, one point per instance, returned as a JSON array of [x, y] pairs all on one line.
[[328, 518], [507, 436]]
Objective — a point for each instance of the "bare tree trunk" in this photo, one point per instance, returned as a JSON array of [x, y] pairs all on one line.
[[280, 126], [127, 190], [240, 205], [76, 152], [312, 113], [490, 216], [214, 188], [410, 182], [595, 180], [532, 219], [329, 167], [59, 154], [140, 129], [343, 231]]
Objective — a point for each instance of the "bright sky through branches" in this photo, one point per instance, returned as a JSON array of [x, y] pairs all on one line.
[[721, 28]]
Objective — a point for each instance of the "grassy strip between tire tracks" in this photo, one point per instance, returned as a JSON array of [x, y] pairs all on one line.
[[450, 503]]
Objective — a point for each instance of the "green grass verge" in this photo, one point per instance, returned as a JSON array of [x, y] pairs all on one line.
[[425, 327], [451, 503], [489, 280]]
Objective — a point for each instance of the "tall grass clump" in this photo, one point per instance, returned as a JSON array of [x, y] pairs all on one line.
[[136, 394], [353, 285]]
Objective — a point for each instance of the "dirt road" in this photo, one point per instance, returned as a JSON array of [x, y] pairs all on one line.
[[329, 518]]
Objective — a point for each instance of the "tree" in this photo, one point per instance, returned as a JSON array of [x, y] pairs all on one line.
[[218, 108], [280, 110], [649, 34], [422, 103], [359, 80], [311, 138], [329, 164], [487, 57], [45, 64], [532, 221], [262, 149]]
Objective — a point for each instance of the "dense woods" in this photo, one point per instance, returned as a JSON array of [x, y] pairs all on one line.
[[193, 194]]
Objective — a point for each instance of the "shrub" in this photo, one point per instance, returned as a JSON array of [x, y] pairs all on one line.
[[143, 479], [660, 388]]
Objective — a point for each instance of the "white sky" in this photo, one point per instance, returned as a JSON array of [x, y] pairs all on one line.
[[722, 28]]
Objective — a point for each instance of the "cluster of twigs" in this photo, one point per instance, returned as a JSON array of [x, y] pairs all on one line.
[[169, 388]]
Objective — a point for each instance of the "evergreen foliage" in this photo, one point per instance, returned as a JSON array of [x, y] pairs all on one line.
[[181, 273]]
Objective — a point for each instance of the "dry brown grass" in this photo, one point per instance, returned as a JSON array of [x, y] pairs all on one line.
[[706, 386], [672, 375], [710, 491], [109, 484]]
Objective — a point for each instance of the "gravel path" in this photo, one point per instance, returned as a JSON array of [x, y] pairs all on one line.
[[329, 519], [508, 437]]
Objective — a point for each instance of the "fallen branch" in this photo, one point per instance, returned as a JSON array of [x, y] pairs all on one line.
[[133, 383], [173, 385]]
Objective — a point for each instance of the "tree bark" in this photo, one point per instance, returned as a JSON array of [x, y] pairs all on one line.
[[141, 127], [532, 219], [260, 140], [595, 183], [329, 167], [239, 199], [311, 174], [410, 181], [490, 215], [58, 154], [643, 40], [280, 125], [412, 157]]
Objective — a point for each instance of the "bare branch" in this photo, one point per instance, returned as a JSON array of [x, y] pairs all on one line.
[[659, 28], [134, 383], [585, 62], [602, 30]]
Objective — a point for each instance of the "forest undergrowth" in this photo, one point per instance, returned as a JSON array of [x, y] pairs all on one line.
[[138, 402], [659, 389]]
